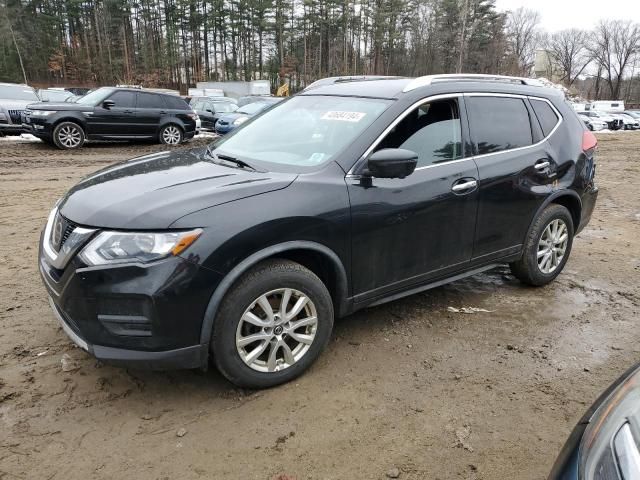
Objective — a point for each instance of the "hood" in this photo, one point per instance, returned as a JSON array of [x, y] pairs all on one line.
[[154, 191], [59, 106], [230, 117], [14, 104]]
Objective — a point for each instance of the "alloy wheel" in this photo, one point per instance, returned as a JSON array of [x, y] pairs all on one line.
[[171, 135], [552, 246], [70, 136], [276, 330]]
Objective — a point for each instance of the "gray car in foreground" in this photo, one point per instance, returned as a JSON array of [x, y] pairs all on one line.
[[604, 443], [14, 99]]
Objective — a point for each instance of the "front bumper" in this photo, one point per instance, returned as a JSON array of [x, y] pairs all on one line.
[[222, 129], [138, 315], [11, 129]]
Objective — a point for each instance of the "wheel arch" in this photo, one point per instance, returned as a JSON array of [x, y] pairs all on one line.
[[567, 198], [70, 118], [318, 258]]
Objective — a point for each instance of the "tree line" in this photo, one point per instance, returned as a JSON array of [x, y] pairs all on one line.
[[176, 43]]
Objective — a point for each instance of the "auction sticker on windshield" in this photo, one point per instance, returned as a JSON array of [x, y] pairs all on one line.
[[343, 116]]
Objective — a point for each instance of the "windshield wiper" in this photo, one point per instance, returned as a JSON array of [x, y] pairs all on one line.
[[230, 159]]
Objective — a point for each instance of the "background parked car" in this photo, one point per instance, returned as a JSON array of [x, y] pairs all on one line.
[[604, 443], [593, 124], [14, 99], [111, 113], [210, 111], [191, 99], [628, 122], [230, 121], [612, 123], [54, 94]]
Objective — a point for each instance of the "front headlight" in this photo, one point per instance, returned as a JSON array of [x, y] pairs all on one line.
[[121, 247], [240, 120], [42, 113]]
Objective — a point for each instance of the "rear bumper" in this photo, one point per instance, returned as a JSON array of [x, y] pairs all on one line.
[[588, 204]]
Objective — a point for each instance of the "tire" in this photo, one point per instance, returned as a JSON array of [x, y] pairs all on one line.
[[529, 269], [590, 127], [68, 136], [269, 280], [171, 134]]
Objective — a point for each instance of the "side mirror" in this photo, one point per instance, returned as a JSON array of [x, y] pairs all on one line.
[[392, 163], [108, 104], [210, 111]]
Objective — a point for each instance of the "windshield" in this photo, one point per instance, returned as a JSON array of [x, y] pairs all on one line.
[[224, 107], [253, 108], [18, 92], [95, 97], [303, 132], [55, 95]]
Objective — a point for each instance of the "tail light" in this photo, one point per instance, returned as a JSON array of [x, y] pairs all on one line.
[[589, 142]]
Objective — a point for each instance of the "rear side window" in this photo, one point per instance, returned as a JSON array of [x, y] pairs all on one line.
[[546, 116], [149, 100], [499, 123], [124, 99], [175, 102], [432, 130]]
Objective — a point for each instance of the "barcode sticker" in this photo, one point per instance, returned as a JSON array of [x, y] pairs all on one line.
[[343, 116]]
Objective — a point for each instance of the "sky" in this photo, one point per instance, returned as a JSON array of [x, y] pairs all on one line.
[[584, 14]]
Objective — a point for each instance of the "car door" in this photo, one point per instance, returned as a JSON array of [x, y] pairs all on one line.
[[149, 111], [408, 231], [117, 120], [516, 168], [206, 112]]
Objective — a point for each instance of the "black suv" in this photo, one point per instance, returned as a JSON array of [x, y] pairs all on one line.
[[112, 114], [344, 196]]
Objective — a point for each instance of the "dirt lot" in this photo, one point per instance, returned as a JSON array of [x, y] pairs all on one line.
[[408, 385]]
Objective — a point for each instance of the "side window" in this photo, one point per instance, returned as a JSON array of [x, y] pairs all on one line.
[[499, 123], [432, 130], [175, 103], [148, 100], [124, 99], [198, 105], [546, 116]]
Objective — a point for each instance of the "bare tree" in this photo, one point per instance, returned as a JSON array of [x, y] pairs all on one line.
[[523, 35], [568, 50], [615, 44]]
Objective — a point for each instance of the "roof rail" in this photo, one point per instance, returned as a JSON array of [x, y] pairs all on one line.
[[429, 79], [348, 78]]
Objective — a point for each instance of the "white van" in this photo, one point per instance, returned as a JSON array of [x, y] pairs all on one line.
[[608, 105]]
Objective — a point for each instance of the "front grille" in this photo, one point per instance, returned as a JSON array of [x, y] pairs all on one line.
[[15, 115], [60, 232]]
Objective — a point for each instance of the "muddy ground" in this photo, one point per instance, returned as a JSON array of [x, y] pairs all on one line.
[[408, 385]]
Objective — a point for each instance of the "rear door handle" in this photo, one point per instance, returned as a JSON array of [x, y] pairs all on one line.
[[127, 111], [463, 185], [541, 164]]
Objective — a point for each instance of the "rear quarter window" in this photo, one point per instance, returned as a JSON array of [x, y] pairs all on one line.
[[175, 103], [546, 116], [499, 123]]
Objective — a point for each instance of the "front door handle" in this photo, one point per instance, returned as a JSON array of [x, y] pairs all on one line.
[[464, 185], [541, 164]]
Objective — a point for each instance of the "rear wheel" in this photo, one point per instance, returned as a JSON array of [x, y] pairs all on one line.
[[68, 136], [272, 325], [171, 135], [547, 247]]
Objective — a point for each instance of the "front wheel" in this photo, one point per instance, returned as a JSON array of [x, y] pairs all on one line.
[[68, 136], [546, 248], [272, 325], [171, 135]]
